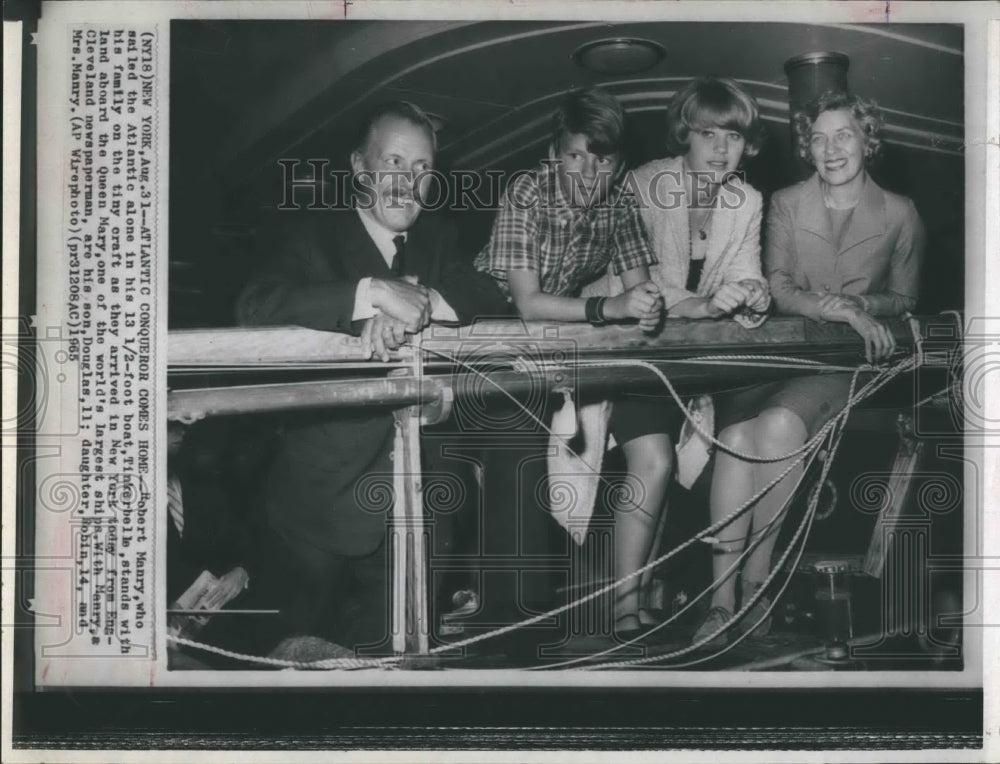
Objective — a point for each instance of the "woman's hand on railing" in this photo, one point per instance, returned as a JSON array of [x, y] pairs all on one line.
[[728, 298], [837, 308], [879, 342], [758, 295]]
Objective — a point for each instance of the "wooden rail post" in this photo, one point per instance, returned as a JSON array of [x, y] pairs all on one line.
[[409, 539]]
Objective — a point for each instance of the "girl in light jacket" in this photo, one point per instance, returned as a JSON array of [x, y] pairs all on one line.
[[703, 222]]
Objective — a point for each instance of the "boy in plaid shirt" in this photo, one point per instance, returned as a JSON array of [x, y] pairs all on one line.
[[557, 230]]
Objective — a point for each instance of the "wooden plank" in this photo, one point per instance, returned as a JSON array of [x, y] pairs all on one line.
[[275, 345], [193, 404], [259, 345], [622, 337]]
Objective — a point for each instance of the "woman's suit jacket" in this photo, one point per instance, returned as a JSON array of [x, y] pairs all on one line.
[[879, 255]]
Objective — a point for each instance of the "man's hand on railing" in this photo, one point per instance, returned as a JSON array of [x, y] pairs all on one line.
[[380, 335], [404, 301]]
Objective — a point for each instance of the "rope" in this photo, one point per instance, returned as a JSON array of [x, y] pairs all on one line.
[[804, 526], [952, 389], [869, 389], [879, 381], [710, 437], [764, 361], [327, 663], [853, 399], [711, 588], [413, 347]]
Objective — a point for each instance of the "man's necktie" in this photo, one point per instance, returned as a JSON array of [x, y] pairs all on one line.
[[397, 259], [175, 503]]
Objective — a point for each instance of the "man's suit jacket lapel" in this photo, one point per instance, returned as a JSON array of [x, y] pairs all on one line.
[[420, 248], [348, 246], [349, 240]]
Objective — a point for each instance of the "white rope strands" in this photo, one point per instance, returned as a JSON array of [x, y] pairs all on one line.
[[831, 432]]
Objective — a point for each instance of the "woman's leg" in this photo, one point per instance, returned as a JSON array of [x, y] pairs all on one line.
[[778, 431], [650, 461], [732, 486]]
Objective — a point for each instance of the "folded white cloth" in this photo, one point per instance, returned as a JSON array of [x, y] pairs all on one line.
[[693, 449], [574, 477]]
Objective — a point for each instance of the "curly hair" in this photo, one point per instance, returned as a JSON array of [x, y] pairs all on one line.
[[866, 112], [720, 102]]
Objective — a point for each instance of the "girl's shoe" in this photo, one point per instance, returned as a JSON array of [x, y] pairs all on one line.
[[630, 627], [714, 620], [759, 611]]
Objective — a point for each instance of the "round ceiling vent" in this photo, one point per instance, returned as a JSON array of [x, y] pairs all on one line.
[[619, 55]]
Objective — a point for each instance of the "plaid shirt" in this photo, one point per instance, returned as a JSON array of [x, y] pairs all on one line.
[[537, 230]]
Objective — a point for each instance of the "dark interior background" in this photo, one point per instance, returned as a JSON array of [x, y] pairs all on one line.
[[245, 94]]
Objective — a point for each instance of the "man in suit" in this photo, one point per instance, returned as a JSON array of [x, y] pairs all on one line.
[[380, 271]]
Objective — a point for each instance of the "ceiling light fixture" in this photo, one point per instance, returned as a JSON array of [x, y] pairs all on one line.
[[619, 55]]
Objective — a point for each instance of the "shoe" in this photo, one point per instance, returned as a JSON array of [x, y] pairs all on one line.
[[759, 611], [715, 619], [627, 634], [641, 633]]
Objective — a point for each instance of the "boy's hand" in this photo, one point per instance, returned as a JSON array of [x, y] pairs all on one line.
[[651, 323], [642, 302]]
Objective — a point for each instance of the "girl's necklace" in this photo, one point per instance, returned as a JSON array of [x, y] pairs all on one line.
[[702, 226]]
